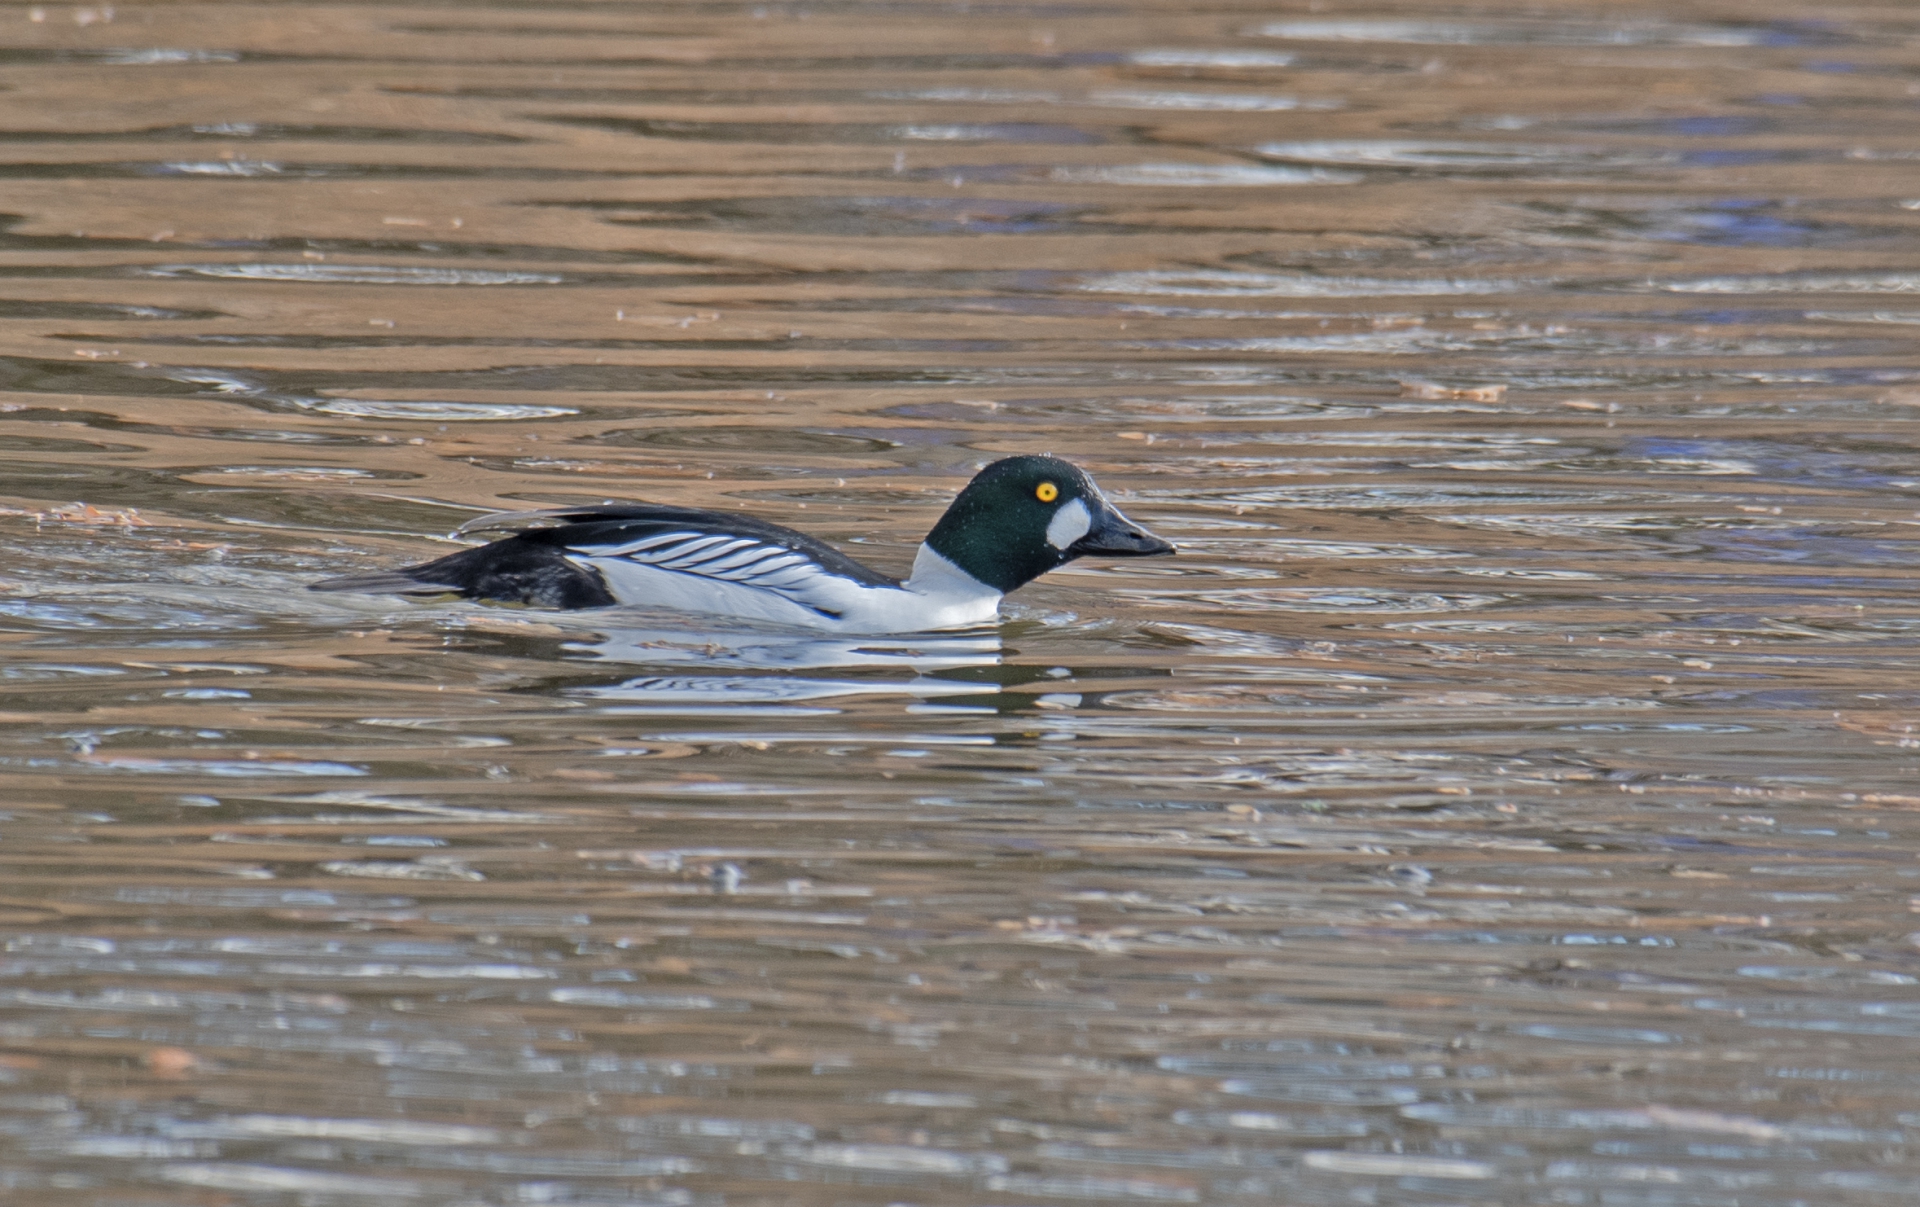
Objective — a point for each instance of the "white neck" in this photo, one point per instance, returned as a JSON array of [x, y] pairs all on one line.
[[958, 597]]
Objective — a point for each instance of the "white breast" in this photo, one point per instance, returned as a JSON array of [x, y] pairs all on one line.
[[953, 598]]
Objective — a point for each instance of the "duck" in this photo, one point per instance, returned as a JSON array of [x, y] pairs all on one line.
[[1017, 519]]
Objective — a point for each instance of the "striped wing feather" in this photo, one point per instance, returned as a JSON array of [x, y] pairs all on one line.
[[706, 544]]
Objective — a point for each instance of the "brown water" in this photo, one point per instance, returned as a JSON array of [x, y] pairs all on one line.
[[1508, 796]]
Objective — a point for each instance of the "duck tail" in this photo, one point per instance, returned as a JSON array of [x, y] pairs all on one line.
[[386, 582], [510, 571]]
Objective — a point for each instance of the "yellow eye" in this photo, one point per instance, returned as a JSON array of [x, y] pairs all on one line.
[[1046, 492]]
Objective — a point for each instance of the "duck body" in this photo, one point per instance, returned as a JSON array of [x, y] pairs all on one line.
[[1017, 519]]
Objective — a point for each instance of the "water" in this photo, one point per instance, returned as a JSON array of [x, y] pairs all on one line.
[[1509, 795]]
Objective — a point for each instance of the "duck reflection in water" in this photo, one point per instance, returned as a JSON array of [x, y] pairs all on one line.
[[761, 650]]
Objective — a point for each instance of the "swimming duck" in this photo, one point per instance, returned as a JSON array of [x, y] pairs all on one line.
[[1019, 518]]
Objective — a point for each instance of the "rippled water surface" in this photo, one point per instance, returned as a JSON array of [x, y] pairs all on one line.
[[1509, 795]]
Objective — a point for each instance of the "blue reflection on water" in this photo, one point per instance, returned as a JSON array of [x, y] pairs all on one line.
[[1740, 222], [1729, 158], [1728, 126], [1726, 317], [1830, 463]]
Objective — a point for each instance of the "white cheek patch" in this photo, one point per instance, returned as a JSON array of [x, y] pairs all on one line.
[[1069, 524]]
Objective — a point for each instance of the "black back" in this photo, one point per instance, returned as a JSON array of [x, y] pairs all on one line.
[[611, 525]]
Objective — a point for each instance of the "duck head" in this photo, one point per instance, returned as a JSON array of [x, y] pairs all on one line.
[[1023, 516]]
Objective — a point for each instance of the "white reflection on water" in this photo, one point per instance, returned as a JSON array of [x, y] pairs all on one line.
[[1199, 175], [416, 410], [159, 56], [224, 167], [1815, 282], [353, 274], [282, 1180], [771, 649], [430, 412], [1202, 102], [714, 689], [1227, 283], [1515, 33], [1385, 153], [1228, 59]]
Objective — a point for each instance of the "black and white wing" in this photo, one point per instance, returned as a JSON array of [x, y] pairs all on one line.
[[645, 553], [735, 550]]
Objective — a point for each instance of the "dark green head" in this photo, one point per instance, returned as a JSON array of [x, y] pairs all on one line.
[[1023, 516]]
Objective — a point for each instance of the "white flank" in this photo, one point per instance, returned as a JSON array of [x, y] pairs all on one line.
[[1069, 524], [733, 577]]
